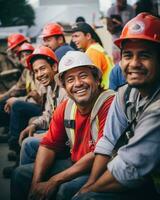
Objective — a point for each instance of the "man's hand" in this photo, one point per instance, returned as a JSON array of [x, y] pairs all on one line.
[[85, 188], [43, 190], [34, 94], [9, 104], [1, 96], [28, 131]]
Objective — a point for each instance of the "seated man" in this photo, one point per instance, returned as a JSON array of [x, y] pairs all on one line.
[[77, 122], [53, 95], [127, 156]]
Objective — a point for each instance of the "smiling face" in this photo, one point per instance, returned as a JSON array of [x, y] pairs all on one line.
[[81, 40], [44, 72], [140, 63], [81, 86]]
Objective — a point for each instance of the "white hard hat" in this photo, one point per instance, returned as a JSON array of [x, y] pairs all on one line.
[[73, 59]]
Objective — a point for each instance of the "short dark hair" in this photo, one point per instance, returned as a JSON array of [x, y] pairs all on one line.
[[86, 28], [61, 35]]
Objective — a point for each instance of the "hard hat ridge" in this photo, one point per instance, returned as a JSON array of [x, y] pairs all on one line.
[[144, 26]]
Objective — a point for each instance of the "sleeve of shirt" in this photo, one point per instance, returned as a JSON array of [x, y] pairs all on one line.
[[56, 136], [115, 124], [43, 121], [18, 89], [113, 79], [141, 155]]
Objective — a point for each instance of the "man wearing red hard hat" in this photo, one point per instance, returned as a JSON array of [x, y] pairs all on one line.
[[53, 37], [127, 158]]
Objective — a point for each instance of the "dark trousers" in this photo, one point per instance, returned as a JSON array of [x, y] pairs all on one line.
[[20, 114], [4, 117], [22, 177]]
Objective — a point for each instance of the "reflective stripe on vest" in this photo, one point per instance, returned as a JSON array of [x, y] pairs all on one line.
[[70, 113]]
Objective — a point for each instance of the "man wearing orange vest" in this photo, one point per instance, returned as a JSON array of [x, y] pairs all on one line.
[[86, 39], [79, 126]]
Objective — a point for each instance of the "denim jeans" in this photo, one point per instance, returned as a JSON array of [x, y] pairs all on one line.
[[145, 192], [67, 190], [29, 150], [20, 114], [22, 177]]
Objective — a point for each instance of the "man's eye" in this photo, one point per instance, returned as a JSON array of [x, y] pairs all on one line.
[[69, 80], [127, 56], [145, 55], [83, 76]]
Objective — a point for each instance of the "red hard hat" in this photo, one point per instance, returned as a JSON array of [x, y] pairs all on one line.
[[51, 29], [44, 51], [144, 26], [15, 39], [25, 47]]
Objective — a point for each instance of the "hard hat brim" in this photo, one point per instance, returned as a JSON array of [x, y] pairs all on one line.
[[118, 42]]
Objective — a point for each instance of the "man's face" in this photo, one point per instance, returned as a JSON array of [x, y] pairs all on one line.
[[51, 42], [44, 72], [121, 4], [81, 86], [23, 57], [15, 50], [140, 63], [80, 39]]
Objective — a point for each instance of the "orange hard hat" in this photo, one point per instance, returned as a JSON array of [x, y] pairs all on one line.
[[15, 39], [144, 26], [42, 51], [51, 29], [25, 47]]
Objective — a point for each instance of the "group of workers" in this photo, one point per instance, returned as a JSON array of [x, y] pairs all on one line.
[[74, 138]]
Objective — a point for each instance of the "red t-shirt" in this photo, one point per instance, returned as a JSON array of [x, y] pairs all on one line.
[[56, 137]]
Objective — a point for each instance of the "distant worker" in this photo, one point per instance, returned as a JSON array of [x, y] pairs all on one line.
[[121, 8], [87, 39], [14, 42], [53, 37], [18, 110]]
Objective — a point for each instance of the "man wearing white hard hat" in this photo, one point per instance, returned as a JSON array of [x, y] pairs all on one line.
[[76, 125]]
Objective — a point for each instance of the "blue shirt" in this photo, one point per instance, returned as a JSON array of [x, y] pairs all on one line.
[[141, 155], [62, 50], [116, 78]]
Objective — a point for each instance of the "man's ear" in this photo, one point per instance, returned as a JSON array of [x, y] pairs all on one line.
[[55, 67], [60, 40], [88, 35]]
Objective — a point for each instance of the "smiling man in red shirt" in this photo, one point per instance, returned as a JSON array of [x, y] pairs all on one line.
[[77, 124]]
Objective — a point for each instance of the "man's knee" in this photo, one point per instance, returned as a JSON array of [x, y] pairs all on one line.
[[20, 181], [18, 105], [62, 192], [21, 173], [29, 150]]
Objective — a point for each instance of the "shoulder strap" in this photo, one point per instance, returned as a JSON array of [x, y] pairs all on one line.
[[69, 116], [94, 118], [69, 120]]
